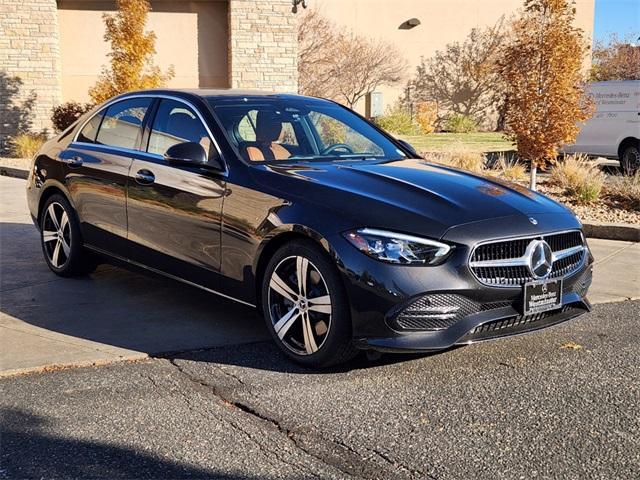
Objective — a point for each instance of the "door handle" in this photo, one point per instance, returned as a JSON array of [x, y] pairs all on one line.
[[72, 161], [145, 177]]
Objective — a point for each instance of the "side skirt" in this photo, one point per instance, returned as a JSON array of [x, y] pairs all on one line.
[[164, 274]]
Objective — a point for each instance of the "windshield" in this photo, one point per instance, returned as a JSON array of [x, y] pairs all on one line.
[[273, 130]]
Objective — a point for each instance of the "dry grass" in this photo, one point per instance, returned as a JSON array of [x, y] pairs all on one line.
[[462, 158], [26, 145], [625, 189], [513, 171], [580, 179]]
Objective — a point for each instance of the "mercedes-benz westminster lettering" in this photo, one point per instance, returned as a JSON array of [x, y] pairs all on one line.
[[339, 234]]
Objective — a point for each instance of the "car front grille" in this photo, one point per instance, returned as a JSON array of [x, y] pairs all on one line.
[[504, 263]]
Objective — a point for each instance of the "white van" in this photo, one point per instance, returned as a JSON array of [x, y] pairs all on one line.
[[614, 129]]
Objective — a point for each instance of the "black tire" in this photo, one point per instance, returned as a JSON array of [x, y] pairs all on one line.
[[71, 258], [333, 345], [630, 158]]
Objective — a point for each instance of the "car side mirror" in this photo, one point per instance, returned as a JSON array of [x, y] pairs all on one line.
[[191, 154], [408, 146]]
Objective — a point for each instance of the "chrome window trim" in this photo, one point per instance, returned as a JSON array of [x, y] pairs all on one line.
[[119, 149], [152, 96]]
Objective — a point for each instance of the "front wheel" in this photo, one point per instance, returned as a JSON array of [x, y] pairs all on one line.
[[630, 159], [305, 306]]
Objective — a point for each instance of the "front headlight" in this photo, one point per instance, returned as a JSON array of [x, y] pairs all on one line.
[[399, 248]]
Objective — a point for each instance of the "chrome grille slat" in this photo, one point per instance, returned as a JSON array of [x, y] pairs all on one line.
[[503, 262]]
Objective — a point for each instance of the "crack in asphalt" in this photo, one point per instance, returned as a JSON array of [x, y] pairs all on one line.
[[266, 451], [333, 452]]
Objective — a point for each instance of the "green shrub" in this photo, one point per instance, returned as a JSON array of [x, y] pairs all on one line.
[[460, 124], [66, 113], [397, 120], [26, 145]]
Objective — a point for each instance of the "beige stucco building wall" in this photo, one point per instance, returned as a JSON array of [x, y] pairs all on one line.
[[442, 22], [54, 50], [209, 43], [191, 36]]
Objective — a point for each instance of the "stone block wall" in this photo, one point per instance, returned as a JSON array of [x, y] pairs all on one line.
[[29, 65], [263, 45]]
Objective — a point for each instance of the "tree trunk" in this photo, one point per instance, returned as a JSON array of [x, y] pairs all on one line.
[[532, 182]]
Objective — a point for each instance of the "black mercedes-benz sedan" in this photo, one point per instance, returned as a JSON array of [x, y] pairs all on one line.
[[340, 235]]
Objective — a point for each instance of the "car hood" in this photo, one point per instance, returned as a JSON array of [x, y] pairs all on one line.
[[408, 195]]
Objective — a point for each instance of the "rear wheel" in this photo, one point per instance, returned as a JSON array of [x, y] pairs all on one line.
[[305, 306], [630, 159], [61, 240]]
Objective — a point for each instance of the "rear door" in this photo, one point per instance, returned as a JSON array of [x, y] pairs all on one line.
[[98, 168], [175, 211]]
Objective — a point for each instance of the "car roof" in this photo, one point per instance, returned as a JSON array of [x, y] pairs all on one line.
[[226, 93]]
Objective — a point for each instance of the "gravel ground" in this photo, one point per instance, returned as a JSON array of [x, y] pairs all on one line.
[[561, 403], [606, 210]]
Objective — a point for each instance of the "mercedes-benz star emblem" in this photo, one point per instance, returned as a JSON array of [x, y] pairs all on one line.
[[540, 259], [533, 220]]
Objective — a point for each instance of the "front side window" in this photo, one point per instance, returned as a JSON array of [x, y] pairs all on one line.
[[121, 126], [300, 129], [176, 123]]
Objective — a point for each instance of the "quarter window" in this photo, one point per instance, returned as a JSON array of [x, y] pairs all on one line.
[[176, 123], [122, 123], [88, 132]]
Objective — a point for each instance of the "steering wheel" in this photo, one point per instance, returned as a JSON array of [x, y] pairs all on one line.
[[336, 146]]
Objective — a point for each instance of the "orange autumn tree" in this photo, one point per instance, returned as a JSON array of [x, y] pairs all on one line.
[[131, 56], [542, 71]]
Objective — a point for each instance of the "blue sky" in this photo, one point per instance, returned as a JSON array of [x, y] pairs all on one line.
[[617, 16]]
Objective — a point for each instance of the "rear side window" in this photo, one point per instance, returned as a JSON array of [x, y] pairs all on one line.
[[89, 131], [122, 123], [176, 123]]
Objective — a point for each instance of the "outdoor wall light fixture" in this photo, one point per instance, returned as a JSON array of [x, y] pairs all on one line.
[[296, 3], [409, 24]]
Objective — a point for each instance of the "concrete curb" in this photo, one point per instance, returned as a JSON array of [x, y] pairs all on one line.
[[14, 172], [605, 231], [612, 231], [16, 372]]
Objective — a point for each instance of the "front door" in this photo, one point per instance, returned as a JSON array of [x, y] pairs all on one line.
[[98, 163], [175, 211]]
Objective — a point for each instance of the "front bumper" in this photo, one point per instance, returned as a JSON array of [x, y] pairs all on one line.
[[484, 322]]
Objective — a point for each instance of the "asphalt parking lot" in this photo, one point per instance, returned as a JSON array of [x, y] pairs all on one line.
[[561, 403], [174, 383]]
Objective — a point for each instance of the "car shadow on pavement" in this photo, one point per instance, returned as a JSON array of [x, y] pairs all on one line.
[[29, 451], [127, 309], [267, 357]]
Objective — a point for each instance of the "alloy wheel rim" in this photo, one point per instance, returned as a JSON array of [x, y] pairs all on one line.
[[56, 235], [299, 305]]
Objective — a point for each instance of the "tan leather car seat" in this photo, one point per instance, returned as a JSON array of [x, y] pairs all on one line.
[[268, 130]]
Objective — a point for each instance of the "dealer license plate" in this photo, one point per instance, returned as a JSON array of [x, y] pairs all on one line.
[[542, 296]]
